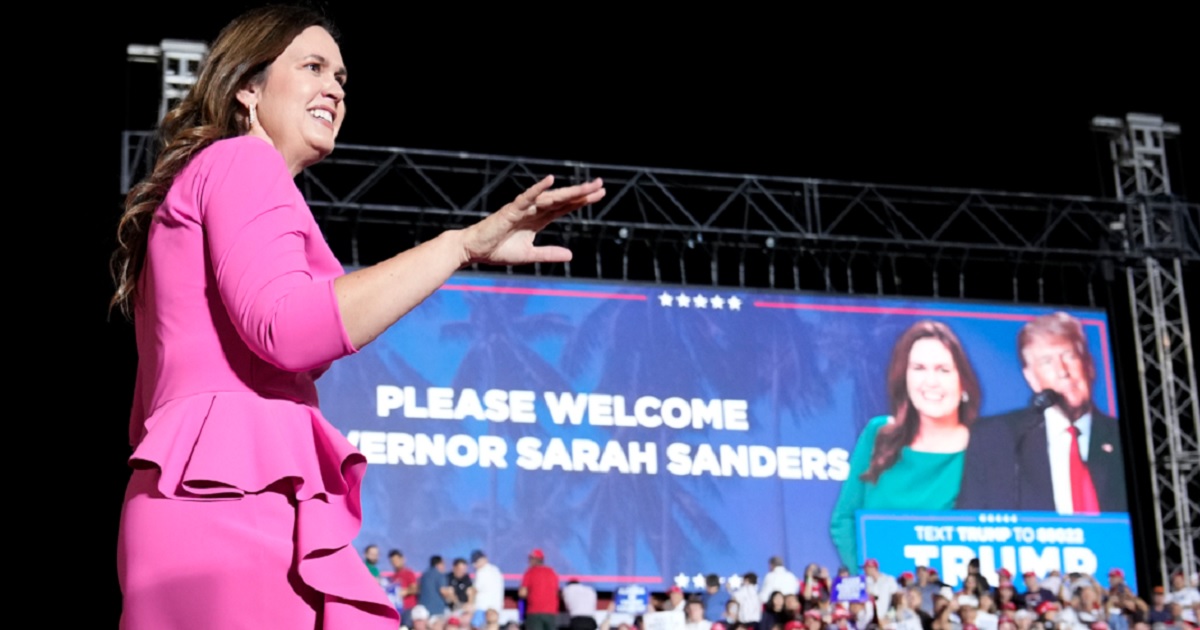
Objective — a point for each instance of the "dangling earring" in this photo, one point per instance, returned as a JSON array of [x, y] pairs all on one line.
[[966, 398], [253, 115]]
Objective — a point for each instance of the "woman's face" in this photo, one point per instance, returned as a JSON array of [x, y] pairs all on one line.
[[932, 378], [777, 601], [300, 104]]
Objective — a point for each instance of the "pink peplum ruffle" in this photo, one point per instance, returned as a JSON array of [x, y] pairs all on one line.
[[223, 446]]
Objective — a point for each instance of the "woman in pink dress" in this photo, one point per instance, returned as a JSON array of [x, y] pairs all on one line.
[[244, 500]]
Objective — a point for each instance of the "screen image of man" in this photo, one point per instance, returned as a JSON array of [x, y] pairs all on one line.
[[1065, 453]]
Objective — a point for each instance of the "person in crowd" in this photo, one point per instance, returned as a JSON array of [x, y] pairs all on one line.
[[791, 604], [914, 600], [539, 589], [982, 584], [843, 620], [462, 588], [1185, 595], [420, 618], [675, 599], [714, 601], [489, 586], [1048, 615], [730, 617], [1064, 453], [929, 585], [911, 458], [1035, 594], [972, 586], [862, 614], [580, 601], [749, 606], [944, 608], [403, 582], [986, 618], [778, 579], [491, 620], [433, 592], [815, 587], [1160, 610], [813, 620], [774, 615], [1006, 593], [880, 586], [968, 611], [371, 559], [694, 616]]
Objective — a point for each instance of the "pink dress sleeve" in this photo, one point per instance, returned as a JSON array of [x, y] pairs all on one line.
[[258, 231]]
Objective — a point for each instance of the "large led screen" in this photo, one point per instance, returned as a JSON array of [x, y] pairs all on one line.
[[653, 435]]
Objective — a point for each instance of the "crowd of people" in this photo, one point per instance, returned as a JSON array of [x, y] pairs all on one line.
[[780, 600]]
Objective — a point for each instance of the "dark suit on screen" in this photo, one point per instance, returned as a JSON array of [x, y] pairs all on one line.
[[1007, 465]]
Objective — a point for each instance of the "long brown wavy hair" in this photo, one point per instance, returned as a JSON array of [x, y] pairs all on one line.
[[240, 56], [896, 435]]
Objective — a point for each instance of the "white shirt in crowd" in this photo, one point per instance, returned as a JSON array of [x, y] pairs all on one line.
[[1187, 599], [987, 620], [881, 589], [580, 600], [1058, 442], [489, 588], [749, 605], [703, 624], [1072, 619], [778, 579]]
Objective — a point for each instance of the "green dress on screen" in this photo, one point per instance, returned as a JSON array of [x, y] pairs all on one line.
[[918, 481]]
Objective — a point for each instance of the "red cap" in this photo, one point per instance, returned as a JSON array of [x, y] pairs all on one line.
[[1045, 607], [1099, 625], [718, 625], [454, 621], [537, 553], [1004, 572], [793, 625], [871, 562], [812, 613], [1116, 572], [907, 575], [1010, 606], [674, 589], [841, 613], [932, 571], [1029, 574]]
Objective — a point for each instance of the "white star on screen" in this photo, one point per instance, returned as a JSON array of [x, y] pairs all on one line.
[[700, 301], [698, 580], [717, 302], [683, 300], [681, 580], [735, 304], [734, 581], [665, 299]]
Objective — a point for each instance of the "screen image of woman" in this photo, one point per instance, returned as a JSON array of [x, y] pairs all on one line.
[[911, 459]]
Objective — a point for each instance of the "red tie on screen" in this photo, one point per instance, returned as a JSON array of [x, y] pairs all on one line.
[[1083, 492]]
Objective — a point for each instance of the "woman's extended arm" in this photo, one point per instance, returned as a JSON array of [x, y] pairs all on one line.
[[374, 298]]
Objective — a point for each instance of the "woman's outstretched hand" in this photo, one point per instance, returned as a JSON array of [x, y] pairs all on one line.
[[506, 236]]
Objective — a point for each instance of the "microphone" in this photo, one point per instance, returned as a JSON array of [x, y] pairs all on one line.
[[1041, 401], [1046, 399]]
